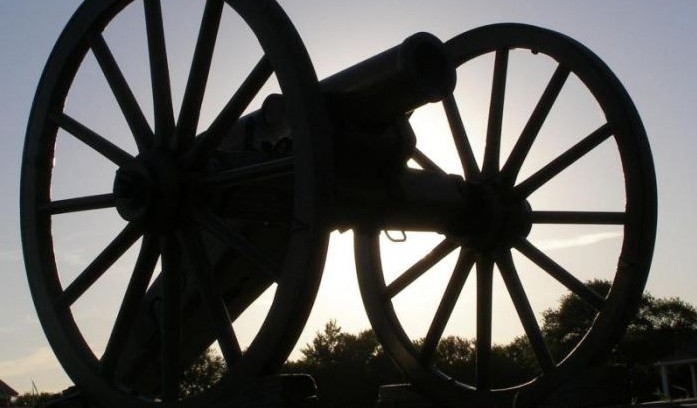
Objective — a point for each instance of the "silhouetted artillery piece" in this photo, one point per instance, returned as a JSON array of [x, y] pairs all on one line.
[[248, 204]]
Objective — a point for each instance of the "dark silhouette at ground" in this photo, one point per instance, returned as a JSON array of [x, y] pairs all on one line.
[[349, 368]]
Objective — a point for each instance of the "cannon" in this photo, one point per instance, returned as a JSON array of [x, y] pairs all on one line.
[[217, 217]]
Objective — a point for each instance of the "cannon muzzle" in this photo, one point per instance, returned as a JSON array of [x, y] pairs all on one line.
[[392, 83]]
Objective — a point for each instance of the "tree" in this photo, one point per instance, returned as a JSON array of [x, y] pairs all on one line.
[[348, 368], [35, 400], [564, 326], [333, 347], [658, 329], [208, 368]]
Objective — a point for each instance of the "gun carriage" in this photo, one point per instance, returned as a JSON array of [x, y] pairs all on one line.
[[223, 214]]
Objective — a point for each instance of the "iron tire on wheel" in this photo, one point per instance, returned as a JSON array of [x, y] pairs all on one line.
[[638, 220], [302, 267]]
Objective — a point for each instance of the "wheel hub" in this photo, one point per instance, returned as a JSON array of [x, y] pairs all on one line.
[[147, 190], [495, 217]]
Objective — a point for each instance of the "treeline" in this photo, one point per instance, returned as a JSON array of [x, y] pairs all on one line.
[[349, 368]]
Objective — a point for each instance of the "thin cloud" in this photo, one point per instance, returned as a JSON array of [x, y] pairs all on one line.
[[27, 323], [10, 255], [72, 258], [581, 240], [40, 360]]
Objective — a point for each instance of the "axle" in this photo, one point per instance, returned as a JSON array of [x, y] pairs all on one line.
[[478, 213]]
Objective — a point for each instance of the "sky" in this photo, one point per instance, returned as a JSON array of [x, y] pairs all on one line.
[[648, 44]]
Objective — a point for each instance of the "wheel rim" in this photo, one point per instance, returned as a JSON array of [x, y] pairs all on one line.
[[165, 229], [493, 245]]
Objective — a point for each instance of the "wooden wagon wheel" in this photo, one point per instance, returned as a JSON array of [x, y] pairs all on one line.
[[164, 194], [508, 221]]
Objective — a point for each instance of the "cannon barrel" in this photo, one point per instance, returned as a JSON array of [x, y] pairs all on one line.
[[364, 102], [392, 83]]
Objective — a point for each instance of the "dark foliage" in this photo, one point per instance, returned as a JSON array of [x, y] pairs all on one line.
[[349, 368], [208, 368], [659, 328], [35, 400]]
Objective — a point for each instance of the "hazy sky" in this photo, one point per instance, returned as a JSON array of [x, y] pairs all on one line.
[[648, 44]]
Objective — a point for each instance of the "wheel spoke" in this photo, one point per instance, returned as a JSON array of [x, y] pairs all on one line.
[[124, 96], [425, 162], [231, 113], [126, 238], [405, 128], [562, 162], [532, 128], [524, 309], [130, 306], [212, 299], [579, 217], [239, 244], [77, 204], [198, 75], [104, 147], [560, 274], [170, 337], [422, 266], [445, 309], [250, 174], [159, 72], [485, 283], [462, 144], [492, 150]]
